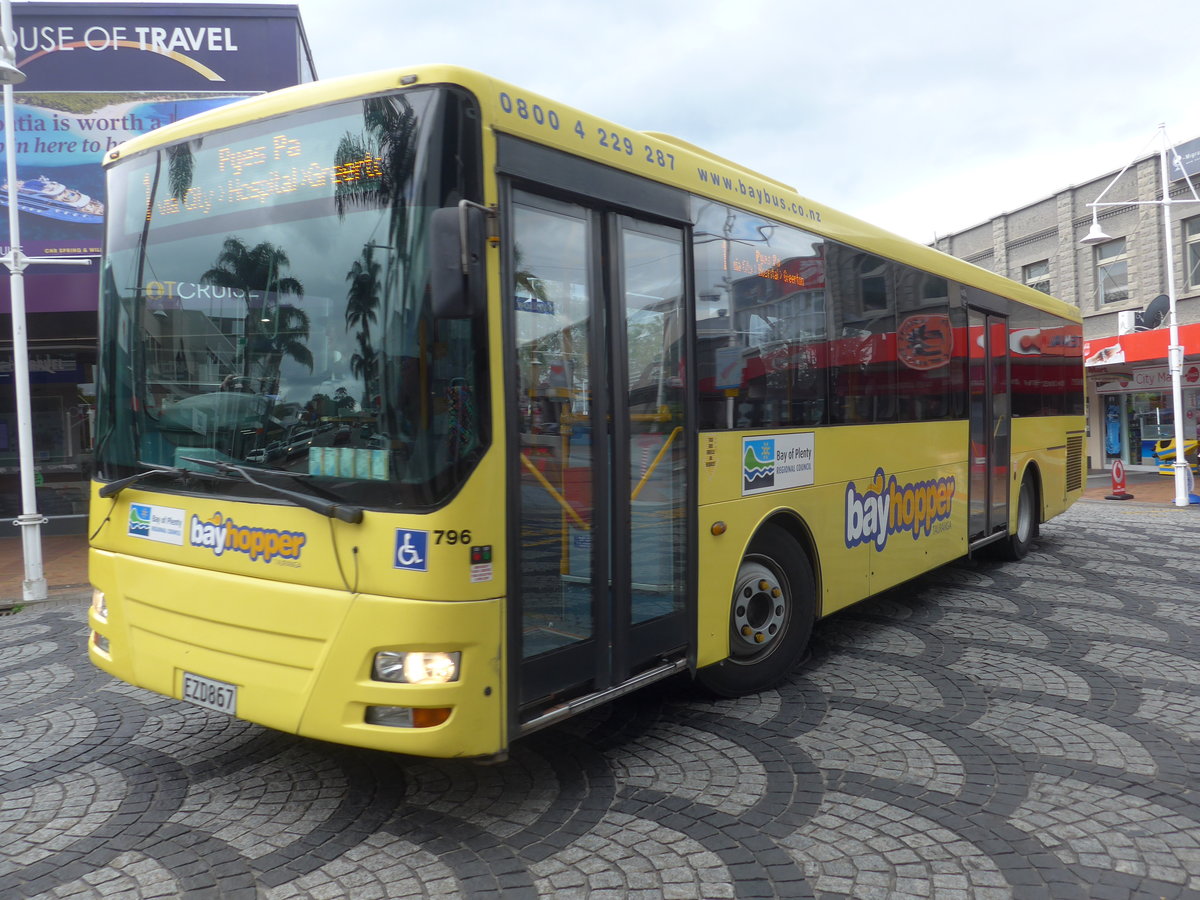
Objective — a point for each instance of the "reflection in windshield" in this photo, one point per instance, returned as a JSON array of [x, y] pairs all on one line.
[[272, 328], [266, 303]]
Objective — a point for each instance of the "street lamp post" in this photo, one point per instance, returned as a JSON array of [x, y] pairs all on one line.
[[1096, 235], [30, 521]]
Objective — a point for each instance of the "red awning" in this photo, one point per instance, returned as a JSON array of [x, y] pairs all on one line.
[[1140, 346]]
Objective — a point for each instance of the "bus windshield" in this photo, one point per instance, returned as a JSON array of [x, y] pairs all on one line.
[[265, 304]]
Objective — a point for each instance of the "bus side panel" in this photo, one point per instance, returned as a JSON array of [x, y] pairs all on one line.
[[842, 575], [1040, 442], [927, 525], [863, 544]]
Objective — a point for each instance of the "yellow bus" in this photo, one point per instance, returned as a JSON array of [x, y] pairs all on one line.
[[433, 411]]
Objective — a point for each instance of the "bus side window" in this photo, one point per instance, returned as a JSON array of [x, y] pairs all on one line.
[[761, 321]]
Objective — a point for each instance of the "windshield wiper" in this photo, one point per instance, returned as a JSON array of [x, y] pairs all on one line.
[[115, 487], [351, 514]]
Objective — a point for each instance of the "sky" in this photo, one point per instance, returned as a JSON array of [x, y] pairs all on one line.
[[924, 117]]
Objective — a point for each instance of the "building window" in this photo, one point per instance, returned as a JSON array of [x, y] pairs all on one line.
[[872, 273], [1112, 272], [1037, 275], [1191, 235]]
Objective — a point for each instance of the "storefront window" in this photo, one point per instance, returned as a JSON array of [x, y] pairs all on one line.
[[1137, 424], [62, 417]]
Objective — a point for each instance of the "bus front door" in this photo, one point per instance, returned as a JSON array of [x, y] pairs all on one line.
[[988, 376], [599, 520]]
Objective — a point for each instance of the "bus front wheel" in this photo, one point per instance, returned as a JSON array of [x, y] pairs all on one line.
[[771, 617]]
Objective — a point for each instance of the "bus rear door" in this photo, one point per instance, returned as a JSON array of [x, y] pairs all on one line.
[[990, 424]]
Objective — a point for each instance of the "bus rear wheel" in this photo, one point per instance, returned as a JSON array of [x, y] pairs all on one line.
[[1017, 545], [771, 617]]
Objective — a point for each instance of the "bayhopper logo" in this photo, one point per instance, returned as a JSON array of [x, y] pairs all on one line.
[[220, 533], [173, 43], [885, 507]]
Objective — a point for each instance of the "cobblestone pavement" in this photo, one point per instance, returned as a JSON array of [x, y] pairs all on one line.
[[988, 731]]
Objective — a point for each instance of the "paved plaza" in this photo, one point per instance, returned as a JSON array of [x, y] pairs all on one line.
[[991, 730]]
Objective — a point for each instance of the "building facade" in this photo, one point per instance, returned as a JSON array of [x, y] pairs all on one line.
[[1120, 285], [98, 74]]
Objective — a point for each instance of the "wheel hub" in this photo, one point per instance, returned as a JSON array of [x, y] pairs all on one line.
[[760, 609]]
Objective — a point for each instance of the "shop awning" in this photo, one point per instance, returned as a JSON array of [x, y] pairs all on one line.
[[1140, 346]]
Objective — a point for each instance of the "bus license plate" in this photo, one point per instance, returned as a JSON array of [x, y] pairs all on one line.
[[210, 693]]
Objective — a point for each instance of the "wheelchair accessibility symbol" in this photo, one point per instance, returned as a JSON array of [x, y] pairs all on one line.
[[411, 550]]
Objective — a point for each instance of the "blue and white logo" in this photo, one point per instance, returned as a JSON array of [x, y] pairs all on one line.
[[758, 464], [139, 520], [412, 550], [162, 524], [778, 462]]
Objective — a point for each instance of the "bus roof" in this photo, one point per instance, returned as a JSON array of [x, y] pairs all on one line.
[[653, 155]]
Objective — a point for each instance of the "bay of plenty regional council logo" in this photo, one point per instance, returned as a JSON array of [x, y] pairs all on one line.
[[161, 524], [758, 464], [139, 520]]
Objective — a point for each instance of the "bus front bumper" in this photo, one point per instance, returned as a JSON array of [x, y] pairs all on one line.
[[302, 659]]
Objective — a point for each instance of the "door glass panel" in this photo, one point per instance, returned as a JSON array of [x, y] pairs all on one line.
[[999, 452], [990, 416], [980, 415], [553, 337], [652, 275]]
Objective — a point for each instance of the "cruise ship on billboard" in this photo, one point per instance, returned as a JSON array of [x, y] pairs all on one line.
[[45, 197]]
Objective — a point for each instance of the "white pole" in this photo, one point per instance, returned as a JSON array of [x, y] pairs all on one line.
[[1174, 350], [30, 521]]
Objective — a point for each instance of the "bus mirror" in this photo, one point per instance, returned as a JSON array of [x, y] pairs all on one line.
[[457, 240]]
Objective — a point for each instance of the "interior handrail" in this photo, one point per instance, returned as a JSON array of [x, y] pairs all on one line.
[[562, 501], [657, 459]]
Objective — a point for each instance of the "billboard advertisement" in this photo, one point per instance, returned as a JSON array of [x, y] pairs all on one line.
[[120, 47], [100, 74], [1185, 160], [60, 139], [97, 74]]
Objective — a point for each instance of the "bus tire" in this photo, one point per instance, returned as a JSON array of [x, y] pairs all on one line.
[[1017, 544], [771, 617]]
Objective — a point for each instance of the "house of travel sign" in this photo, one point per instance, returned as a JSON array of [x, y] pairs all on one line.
[[71, 47], [99, 74]]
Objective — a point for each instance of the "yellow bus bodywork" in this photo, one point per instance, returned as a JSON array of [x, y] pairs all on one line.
[[298, 640], [297, 636], [913, 453]]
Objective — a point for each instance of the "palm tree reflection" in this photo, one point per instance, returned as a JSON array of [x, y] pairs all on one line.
[[362, 304], [386, 363], [272, 329]]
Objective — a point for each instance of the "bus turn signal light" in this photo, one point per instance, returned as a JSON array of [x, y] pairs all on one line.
[[427, 718]]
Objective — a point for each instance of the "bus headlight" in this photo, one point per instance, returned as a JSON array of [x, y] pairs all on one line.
[[416, 667], [99, 605]]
